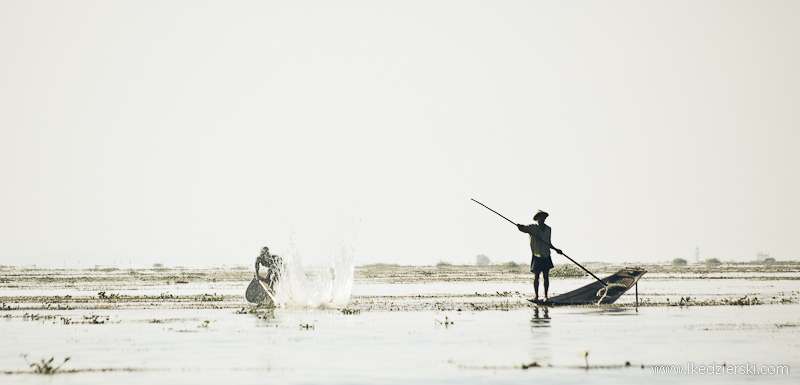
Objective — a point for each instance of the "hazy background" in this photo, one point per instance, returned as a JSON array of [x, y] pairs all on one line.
[[193, 133]]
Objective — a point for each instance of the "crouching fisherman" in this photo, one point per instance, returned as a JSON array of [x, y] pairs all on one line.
[[262, 288]]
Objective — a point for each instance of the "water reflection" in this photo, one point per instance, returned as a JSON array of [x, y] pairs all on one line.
[[540, 320], [615, 310]]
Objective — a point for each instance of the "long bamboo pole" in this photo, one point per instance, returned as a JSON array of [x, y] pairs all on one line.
[[547, 243]]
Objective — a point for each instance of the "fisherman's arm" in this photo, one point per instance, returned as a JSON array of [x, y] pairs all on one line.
[[556, 249], [260, 262]]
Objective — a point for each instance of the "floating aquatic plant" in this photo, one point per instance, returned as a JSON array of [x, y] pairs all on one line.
[[109, 296], [446, 322], [210, 297], [46, 366], [94, 319], [744, 301], [566, 271]]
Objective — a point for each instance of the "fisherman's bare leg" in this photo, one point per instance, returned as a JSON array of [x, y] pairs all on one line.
[[536, 285], [546, 276]]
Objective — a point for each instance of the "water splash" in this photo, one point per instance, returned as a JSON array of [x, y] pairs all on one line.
[[328, 285]]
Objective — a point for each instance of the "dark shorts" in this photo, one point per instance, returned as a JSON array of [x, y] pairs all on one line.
[[541, 264]]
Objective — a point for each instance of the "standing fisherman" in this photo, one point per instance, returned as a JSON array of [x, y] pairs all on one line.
[[540, 247]]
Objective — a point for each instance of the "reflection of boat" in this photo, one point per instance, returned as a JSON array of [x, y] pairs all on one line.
[[595, 293]]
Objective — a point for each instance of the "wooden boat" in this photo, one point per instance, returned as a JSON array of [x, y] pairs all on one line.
[[258, 293], [595, 293]]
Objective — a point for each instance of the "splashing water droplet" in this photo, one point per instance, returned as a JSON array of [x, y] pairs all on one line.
[[328, 285]]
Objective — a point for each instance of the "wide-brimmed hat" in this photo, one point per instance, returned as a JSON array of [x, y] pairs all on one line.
[[540, 213]]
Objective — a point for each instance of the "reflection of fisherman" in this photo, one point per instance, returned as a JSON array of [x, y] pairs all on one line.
[[544, 320], [540, 247], [273, 264]]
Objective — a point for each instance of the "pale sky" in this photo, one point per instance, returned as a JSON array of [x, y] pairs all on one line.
[[195, 132]]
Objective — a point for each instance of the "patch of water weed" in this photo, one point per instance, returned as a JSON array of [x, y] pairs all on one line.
[[688, 301], [744, 301], [210, 297], [45, 366], [258, 309], [351, 311], [533, 364], [566, 271], [95, 319], [306, 326], [45, 278], [505, 294], [446, 322], [204, 324], [108, 296], [37, 317]]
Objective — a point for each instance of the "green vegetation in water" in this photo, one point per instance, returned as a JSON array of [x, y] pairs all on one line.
[[46, 366], [104, 269], [94, 319], [679, 262], [533, 364], [743, 301], [446, 322], [566, 271], [351, 311], [210, 297], [109, 296], [257, 309]]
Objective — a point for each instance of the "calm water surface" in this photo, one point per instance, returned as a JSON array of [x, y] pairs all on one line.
[[191, 346]]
